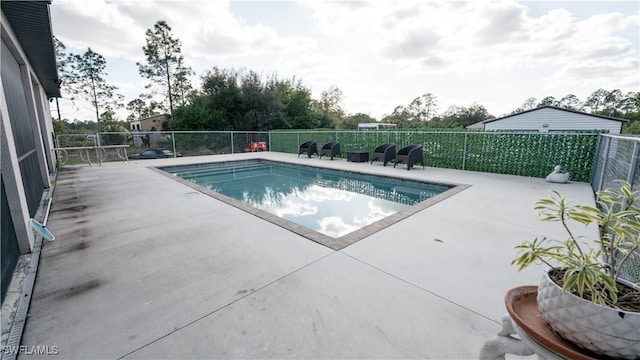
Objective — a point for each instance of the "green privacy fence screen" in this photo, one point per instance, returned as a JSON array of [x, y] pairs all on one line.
[[525, 154]]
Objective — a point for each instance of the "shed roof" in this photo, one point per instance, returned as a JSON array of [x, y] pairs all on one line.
[[31, 22], [481, 124]]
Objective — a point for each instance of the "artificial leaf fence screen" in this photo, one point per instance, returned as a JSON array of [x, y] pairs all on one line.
[[525, 154]]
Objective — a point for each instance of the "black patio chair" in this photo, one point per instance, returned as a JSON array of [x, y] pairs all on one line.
[[309, 147], [384, 153], [332, 148], [410, 155]]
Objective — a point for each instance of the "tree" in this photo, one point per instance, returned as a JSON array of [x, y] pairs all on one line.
[[438, 123], [109, 121], [612, 103], [59, 126], [181, 84], [221, 92], [63, 61], [548, 101], [596, 100], [399, 116], [245, 100], [330, 107], [138, 108], [86, 78], [631, 127], [298, 106], [165, 65], [466, 116], [571, 102], [630, 103], [423, 108], [199, 115], [528, 104], [352, 121]]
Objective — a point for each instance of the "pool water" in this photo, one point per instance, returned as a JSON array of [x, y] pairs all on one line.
[[331, 202]]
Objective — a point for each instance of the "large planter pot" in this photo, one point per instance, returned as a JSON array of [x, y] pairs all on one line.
[[601, 329]]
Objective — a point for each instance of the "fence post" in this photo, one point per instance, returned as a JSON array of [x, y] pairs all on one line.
[[606, 160], [596, 178], [231, 133], [173, 140], [298, 144], [464, 151], [634, 162], [596, 158]]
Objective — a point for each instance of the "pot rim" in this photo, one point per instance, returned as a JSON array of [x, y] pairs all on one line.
[[546, 274]]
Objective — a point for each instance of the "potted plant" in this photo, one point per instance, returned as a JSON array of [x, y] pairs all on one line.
[[581, 295]]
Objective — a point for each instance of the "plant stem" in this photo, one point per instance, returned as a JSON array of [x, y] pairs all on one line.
[[627, 256], [564, 223]]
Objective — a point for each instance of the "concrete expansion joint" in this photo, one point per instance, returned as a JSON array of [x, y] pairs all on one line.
[[244, 293], [423, 289]]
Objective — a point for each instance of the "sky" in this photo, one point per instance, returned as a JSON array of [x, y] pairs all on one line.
[[380, 54]]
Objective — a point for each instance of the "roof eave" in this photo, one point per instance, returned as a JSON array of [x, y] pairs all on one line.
[[31, 23]]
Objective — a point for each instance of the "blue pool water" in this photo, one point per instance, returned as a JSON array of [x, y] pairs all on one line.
[[330, 202]]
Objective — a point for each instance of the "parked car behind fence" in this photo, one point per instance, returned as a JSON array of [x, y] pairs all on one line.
[[154, 154]]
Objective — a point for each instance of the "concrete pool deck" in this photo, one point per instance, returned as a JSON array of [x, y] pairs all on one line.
[[145, 267]]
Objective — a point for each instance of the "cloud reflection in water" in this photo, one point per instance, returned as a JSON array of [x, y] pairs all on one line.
[[332, 212], [330, 202]]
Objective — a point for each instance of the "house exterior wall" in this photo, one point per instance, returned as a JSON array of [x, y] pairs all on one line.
[[555, 120], [152, 123], [25, 148]]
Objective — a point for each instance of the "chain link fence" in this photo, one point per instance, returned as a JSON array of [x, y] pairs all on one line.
[[79, 148], [525, 154], [618, 158]]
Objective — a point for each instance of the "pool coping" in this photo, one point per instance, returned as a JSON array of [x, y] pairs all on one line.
[[322, 239]]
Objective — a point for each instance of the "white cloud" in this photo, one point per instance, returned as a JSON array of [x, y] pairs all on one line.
[[380, 53], [320, 70], [416, 43], [340, 17], [501, 22], [467, 37], [205, 28], [243, 40], [614, 73]]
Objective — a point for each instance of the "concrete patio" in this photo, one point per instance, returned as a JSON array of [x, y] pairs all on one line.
[[145, 268]]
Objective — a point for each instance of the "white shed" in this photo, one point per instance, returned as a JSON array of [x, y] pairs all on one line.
[[552, 119]]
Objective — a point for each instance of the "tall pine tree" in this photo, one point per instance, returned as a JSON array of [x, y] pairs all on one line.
[[164, 67], [86, 77]]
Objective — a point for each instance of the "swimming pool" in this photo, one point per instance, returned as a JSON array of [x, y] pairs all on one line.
[[336, 206]]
